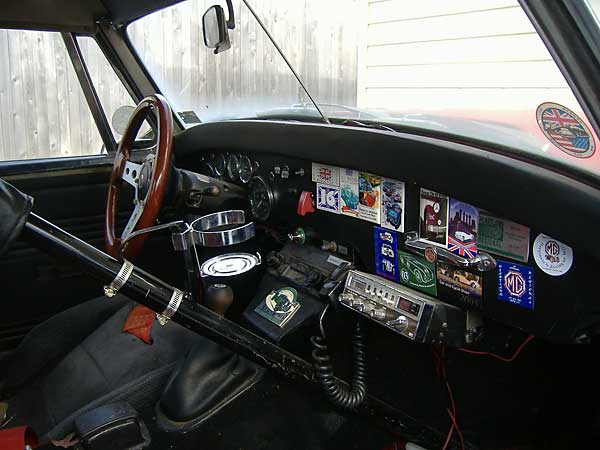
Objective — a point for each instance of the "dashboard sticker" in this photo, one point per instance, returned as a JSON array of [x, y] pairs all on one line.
[[279, 306], [386, 260], [392, 204], [459, 280], [349, 192], [322, 173], [369, 197], [515, 284], [434, 217], [565, 130], [552, 256], [328, 198], [462, 228], [503, 237], [416, 273]]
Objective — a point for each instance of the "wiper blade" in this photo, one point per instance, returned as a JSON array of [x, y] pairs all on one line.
[[376, 126]]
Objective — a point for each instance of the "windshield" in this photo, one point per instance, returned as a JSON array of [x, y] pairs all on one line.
[[477, 70]]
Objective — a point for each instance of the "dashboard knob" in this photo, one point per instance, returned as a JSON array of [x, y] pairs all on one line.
[[346, 297], [358, 304], [399, 323], [378, 313]]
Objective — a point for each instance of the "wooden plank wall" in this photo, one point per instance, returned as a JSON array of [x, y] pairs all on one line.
[[43, 114], [478, 55]]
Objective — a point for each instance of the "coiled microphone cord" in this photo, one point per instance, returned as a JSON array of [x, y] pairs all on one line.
[[337, 392]]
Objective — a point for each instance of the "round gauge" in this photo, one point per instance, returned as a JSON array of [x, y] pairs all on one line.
[[233, 167], [261, 198], [245, 169], [220, 163], [208, 169]]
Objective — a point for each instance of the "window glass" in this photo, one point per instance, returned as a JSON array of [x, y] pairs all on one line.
[[113, 96], [43, 112]]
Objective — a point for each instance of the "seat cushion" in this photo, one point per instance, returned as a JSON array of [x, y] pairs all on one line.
[[106, 366]]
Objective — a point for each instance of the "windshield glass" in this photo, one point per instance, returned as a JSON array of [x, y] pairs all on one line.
[[477, 70]]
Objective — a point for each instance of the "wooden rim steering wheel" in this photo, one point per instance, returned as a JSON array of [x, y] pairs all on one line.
[[149, 179]]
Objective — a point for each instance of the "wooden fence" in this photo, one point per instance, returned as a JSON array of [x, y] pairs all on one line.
[[43, 112]]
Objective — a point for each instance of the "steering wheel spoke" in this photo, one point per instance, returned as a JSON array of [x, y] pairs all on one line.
[[133, 221], [131, 173]]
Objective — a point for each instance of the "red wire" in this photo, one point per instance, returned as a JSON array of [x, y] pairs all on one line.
[[501, 358], [448, 437], [462, 443]]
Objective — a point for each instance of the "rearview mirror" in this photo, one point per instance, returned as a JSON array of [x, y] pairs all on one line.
[[216, 29]]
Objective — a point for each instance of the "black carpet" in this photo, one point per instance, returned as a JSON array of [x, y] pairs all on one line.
[[275, 414]]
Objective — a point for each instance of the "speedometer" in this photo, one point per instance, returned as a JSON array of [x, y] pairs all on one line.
[[261, 198], [233, 167], [245, 169]]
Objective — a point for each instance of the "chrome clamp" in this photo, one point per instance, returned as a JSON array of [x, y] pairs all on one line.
[[164, 317], [123, 275]]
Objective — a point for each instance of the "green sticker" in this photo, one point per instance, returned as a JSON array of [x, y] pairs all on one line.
[[417, 273]]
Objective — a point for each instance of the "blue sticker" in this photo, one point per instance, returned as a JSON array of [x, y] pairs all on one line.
[[386, 260], [515, 284]]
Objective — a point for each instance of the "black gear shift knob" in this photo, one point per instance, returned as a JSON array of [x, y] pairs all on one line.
[[219, 298]]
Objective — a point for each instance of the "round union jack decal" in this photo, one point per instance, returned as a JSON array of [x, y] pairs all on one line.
[[565, 130]]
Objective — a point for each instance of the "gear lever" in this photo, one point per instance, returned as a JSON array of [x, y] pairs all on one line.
[[219, 298]]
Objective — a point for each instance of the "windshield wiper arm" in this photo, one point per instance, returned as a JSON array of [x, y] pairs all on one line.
[[262, 25]]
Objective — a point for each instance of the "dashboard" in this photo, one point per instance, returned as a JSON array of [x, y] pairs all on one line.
[[540, 281], [415, 238]]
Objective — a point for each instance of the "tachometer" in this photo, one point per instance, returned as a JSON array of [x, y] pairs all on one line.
[[261, 198], [246, 169], [233, 167]]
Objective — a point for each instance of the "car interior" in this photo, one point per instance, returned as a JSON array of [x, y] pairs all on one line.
[[294, 280]]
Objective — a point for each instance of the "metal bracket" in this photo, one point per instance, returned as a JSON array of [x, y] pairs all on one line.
[[164, 317], [123, 275], [482, 262]]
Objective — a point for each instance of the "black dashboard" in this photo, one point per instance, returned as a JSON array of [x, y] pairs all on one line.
[[298, 186]]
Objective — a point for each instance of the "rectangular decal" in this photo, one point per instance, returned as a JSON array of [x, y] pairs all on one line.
[[386, 262], [503, 237], [369, 197], [328, 198], [322, 173], [392, 204], [416, 273], [349, 192], [433, 221], [462, 228], [515, 284], [459, 280]]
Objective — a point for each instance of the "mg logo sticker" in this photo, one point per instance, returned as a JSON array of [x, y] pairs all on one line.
[[514, 283]]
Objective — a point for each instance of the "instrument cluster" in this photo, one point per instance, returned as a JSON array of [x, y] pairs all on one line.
[[229, 166]]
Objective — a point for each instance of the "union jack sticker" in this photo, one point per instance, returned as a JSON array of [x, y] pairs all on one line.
[[565, 130]]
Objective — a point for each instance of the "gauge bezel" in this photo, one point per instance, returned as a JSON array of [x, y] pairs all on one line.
[[216, 159], [245, 160], [270, 195], [233, 174]]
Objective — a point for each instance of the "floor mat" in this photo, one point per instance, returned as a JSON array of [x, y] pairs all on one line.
[[275, 414]]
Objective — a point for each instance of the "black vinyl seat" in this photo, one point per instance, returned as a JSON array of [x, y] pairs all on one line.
[[80, 359]]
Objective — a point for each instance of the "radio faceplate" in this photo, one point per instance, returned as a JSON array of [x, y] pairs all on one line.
[[412, 314]]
